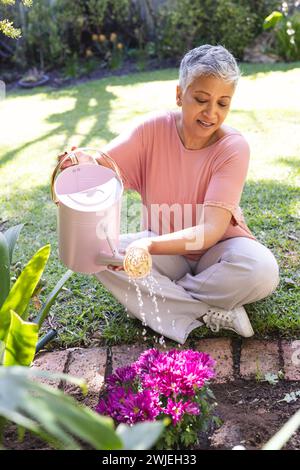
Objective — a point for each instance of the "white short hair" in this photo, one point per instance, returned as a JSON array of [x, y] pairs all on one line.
[[208, 60]]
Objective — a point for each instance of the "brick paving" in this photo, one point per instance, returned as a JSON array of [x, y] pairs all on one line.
[[291, 359], [89, 364], [221, 351], [256, 358], [52, 362], [259, 358]]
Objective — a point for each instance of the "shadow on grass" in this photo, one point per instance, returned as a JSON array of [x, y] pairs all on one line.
[[92, 100], [65, 123]]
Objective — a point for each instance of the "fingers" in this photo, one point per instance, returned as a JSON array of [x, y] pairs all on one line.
[[74, 158], [66, 163], [115, 268]]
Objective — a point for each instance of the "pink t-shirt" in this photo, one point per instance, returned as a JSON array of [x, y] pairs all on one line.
[[176, 183]]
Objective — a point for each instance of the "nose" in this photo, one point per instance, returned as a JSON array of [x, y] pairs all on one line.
[[209, 111]]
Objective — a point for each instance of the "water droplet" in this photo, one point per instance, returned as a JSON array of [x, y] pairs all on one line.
[[147, 287]]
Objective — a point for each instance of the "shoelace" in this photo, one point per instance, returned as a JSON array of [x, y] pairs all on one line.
[[215, 320]]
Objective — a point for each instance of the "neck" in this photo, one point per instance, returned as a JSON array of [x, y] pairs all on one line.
[[191, 143]]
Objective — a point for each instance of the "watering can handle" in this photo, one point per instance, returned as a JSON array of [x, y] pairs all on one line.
[[74, 161]]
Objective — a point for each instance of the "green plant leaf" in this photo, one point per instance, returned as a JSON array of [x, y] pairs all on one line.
[[272, 19], [4, 269], [50, 413], [12, 235], [142, 436], [20, 342], [96, 430], [21, 292], [51, 298]]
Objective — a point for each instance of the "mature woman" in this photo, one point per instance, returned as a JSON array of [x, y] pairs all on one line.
[[205, 259]]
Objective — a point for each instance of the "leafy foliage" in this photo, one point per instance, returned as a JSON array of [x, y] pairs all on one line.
[[59, 419], [6, 26], [186, 24], [18, 337], [60, 32], [57, 32], [286, 26]]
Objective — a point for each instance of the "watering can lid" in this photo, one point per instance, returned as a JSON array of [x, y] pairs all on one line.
[[93, 199]]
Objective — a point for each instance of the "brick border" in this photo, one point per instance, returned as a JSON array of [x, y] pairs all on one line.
[[250, 359]]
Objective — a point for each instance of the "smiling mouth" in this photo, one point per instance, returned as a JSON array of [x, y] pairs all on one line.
[[205, 124]]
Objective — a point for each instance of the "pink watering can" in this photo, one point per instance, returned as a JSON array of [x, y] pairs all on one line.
[[89, 199]]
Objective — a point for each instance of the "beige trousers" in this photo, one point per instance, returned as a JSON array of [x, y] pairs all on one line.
[[230, 274]]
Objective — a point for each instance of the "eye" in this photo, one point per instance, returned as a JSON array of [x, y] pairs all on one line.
[[223, 105], [200, 101]]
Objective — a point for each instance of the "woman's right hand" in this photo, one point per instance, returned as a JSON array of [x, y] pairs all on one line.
[[79, 157]]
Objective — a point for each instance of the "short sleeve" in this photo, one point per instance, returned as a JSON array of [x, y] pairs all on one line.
[[228, 177], [126, 150]]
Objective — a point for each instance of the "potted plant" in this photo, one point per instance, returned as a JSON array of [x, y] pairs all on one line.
[[33, 78]]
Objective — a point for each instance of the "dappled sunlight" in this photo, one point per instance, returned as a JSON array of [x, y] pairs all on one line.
[[262, 130], [93, 113], [273, 90], [29, 117], [132, 97], [83, 127]]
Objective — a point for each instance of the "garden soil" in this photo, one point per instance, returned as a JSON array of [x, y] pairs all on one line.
[[251, 412]]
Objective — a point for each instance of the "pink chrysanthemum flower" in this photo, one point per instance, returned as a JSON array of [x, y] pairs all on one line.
[[126, 406], [141, 406], [158, 383], [177, 409], [176, 372], [121, 376]]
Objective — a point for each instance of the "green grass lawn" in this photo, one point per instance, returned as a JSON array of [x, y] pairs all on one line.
[[37, 125]]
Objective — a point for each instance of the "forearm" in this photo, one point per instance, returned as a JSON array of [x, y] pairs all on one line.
[[184, 242]]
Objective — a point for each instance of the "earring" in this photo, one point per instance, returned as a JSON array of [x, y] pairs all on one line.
[[179, 102]]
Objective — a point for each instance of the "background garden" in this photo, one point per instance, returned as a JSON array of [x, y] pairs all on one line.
[[71, 39]]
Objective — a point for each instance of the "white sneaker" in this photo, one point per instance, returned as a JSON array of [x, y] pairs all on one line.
[[236, 320]]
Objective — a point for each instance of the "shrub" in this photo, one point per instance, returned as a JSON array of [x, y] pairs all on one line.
[[51, 31], [184, 24], [7, 26], [232, 25], [55, 31], [18, 336], [287, 33]]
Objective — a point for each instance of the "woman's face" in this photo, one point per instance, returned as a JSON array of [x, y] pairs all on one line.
[[205, 105]]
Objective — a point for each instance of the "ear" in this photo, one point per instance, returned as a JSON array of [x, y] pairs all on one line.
[[178, 96]]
